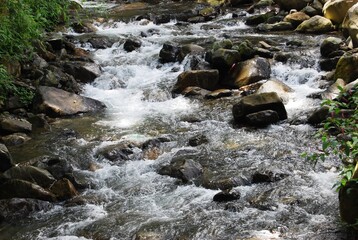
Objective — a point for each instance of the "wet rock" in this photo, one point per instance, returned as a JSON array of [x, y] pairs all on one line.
[[185, 169], [256, 103], [261, 52], [311, 11], [132, 44], [169, 52], [223, 59], [17, 208], [57, 166], [349, 25], [296, 18], [267, 176], [207, 79], [15, 139], [282, 89], [13, 125], [84, 73], [55, 77], [346, 68], [101, 42], [194, 91], [151, 149], [39, 121], [292, 4], [262, 118], [225, 184], [348, 196], [83, 27], [198, 140], [260, 18], [248, 72], [144, 235], [16, 188], [63, 189], [227, 196], [56, 102], [225, 44], [246, 50], [282, 57], [31, 174], [336, 10], [263, 200], [280, 26], [117, 152], [316, 24], [160, 18], [328, 64], [318, 115], [5, 158], [196, 19], [219, 93], [330, 45], [190, 49]]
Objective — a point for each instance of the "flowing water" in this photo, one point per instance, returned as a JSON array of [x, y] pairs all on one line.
[[125, 198]]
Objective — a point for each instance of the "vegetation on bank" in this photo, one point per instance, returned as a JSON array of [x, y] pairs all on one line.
[[22, 23], [339, 134]]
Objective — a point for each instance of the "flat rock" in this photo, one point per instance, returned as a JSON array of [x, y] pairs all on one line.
[[57, 102]]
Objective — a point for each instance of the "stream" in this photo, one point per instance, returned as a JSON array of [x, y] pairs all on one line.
[[126, 198]]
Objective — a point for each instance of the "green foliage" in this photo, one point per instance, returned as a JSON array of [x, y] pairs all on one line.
[[23, 21], [339, 133], [7, 88]]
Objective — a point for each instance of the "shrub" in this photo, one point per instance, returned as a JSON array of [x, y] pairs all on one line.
[[339, 134]]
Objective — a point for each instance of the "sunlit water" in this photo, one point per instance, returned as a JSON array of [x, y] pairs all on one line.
[[131, 197]]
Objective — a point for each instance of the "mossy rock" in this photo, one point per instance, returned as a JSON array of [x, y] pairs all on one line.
[[347, 67]]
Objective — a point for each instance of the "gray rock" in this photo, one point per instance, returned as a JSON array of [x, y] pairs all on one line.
[[13, 125], [278, 87], [56, 102], [169, 53], [132, 44], [279, 26], [262, 118], [85, 73], [31, 174], [330, 45], [5, 158], [16, 188], [185, 169]]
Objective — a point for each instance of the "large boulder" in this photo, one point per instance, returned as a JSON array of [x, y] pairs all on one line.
[[336, 10], [223, 59], [316, 24], [256, 103], [278, 87], [292, 4], [347, 67], [248, 72], [56, 102], [16, 188], [31, 174], [5, 158], [350, 25], [13, 125], [207, 79]]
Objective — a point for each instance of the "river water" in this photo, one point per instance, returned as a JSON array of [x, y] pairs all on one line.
[[130, 197]]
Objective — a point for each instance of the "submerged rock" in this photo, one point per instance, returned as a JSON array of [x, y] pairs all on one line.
[[5, 158], [56, 102]]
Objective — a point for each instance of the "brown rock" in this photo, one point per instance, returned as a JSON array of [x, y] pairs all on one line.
[[63, 189]]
